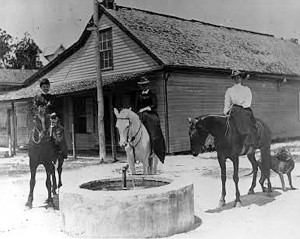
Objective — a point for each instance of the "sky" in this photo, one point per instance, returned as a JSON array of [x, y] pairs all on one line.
[[55, 22]]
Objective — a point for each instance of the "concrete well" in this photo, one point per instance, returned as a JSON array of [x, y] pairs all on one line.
[[164, 208]]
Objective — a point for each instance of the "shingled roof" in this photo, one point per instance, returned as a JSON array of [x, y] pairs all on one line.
[[65, 87], [181, 42], [13, 77]]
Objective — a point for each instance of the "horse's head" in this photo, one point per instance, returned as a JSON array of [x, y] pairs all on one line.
[[198, 135], [124, 121]]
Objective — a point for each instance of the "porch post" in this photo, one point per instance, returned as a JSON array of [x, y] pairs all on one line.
[[112, 127], [14, 128], [100, 99]]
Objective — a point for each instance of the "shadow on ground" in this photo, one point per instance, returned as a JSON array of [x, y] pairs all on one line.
[[259, 199]]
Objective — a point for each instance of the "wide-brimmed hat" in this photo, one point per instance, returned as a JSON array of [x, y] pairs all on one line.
[[235, 73], [44, 81], [143, 81]]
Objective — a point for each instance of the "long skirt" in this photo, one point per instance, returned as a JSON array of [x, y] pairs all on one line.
[[245, 123], [152, 124]]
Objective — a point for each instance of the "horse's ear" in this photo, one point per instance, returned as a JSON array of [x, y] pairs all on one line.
[[116, 112], [130, 109], [190, 120]]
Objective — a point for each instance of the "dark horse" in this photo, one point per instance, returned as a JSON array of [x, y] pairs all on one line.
[[229, 144], [42, 150]]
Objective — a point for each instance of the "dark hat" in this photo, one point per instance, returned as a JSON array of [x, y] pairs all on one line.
[[53, 115], [44, 81], [143, 81], [235, 73]]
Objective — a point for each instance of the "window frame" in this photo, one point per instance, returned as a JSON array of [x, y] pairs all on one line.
[[108, 50]]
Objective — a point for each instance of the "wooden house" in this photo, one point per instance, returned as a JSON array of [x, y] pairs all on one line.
[[188, 63], [10, 79]]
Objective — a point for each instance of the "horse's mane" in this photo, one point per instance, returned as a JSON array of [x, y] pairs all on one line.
[[129, 113]]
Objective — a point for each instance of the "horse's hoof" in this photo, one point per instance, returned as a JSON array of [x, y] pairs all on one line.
[[284, 189], [222, 204], [28, 206], [59, 185], [251, 192], [237, 205], [292, 188]]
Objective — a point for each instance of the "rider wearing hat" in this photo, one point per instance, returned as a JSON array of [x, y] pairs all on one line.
[[238, 99], [146, 107], [45, 100]]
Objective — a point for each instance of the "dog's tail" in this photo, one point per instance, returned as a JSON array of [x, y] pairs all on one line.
[[259, 165]]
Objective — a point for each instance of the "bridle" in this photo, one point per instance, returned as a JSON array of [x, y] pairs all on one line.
[[130, 142], [40, 134]]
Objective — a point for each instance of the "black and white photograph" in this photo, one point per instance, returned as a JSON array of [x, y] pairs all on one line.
[[149, 119]]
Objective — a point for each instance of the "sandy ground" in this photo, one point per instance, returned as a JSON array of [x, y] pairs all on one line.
[[261, 216]]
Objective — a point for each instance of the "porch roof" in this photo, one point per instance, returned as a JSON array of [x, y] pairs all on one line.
[[68, 87]]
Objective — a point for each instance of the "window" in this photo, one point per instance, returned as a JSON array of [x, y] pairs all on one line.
[[106, 55], [83, 115]]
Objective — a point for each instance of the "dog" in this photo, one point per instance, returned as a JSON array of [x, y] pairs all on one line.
[[282, 163]]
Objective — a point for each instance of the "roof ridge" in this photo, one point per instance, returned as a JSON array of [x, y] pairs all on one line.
[[194, 20]]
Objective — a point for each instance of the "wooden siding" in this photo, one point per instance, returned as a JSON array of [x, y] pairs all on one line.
[[128, 57], [22, 129], [157, 86], [3, 124], [193, 95]]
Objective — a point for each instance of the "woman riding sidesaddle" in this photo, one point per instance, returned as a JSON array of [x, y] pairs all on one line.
[[238, 100], [146, 105]]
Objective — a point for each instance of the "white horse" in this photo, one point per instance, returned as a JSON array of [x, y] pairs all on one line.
[[136, 140]]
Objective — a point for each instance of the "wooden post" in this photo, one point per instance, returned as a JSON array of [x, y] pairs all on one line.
[[112, 128], [100, 99], [14, 128], [73, 142], [10, 153]]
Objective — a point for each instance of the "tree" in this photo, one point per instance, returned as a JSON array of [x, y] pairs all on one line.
[[25, 54], [5, 47]]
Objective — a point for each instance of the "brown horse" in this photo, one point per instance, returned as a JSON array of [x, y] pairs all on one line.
[[42, 150], [229, 144]]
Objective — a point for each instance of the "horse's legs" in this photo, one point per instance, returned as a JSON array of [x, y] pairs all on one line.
[[59, 170], [235, 161], [33, 168], [154, 165], [253, 162], [222, 162], [146, 165], [54, 183], [130, 159], [49, 171], [265, 168], [151, 160]]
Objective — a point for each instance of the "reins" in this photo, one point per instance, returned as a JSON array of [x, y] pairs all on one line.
[[39, 135]]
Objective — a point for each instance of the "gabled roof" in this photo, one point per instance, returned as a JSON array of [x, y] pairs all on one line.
[[14, 77], [51, 50], [180, 42]]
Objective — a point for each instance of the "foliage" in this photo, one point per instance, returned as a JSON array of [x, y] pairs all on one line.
[[5, 47], [20, 53]]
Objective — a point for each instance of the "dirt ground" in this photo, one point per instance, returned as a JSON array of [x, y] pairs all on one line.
[[261, 216]]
